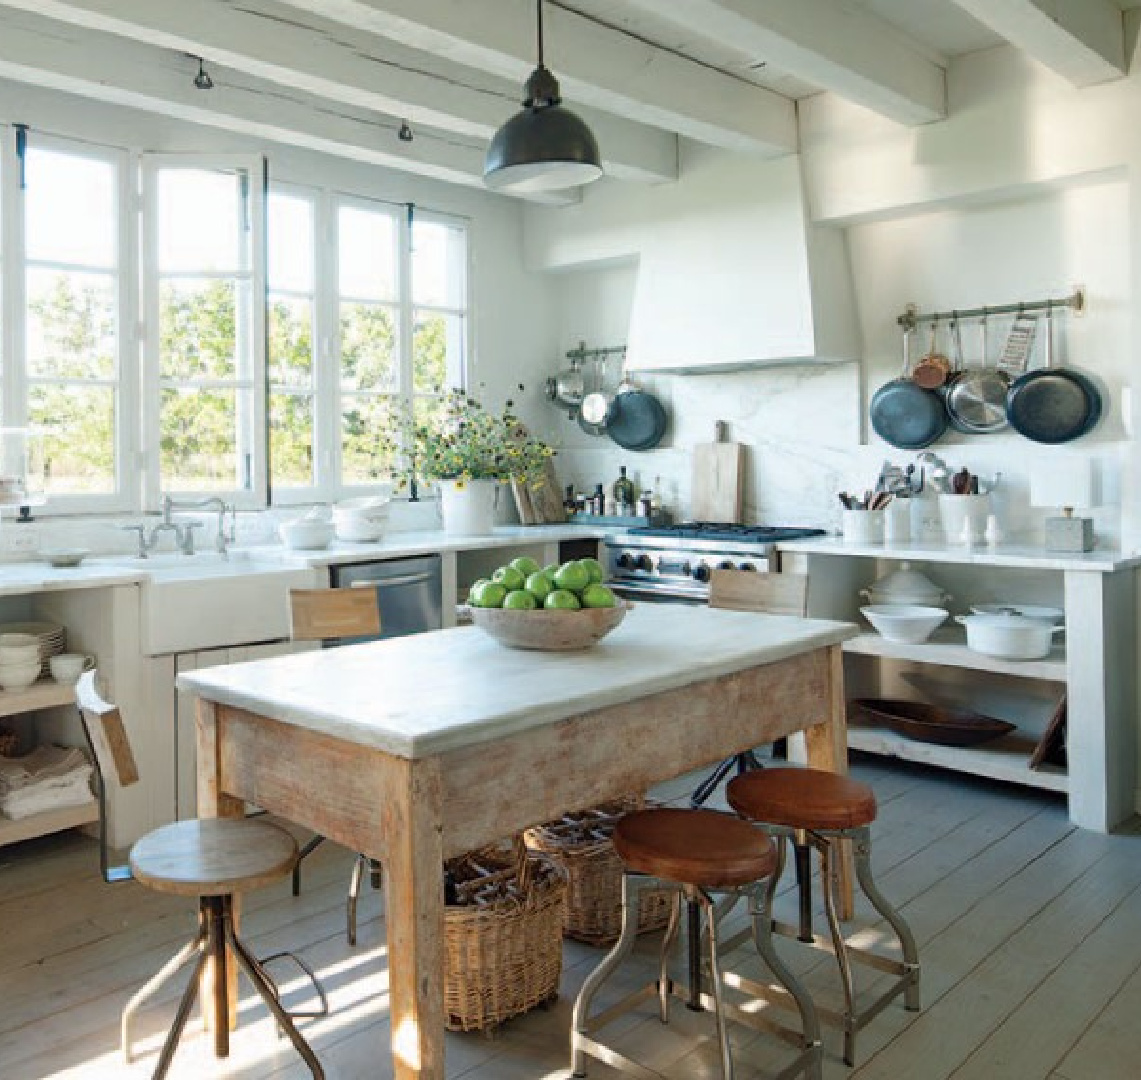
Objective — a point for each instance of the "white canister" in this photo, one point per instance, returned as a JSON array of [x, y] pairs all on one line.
[[961, 513], [862, 526], [897, 522]]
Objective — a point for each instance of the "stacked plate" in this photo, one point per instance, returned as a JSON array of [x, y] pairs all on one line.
[[52, 639]]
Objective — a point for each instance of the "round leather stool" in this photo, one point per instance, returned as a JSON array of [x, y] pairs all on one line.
[[698, 852], [818, 809]]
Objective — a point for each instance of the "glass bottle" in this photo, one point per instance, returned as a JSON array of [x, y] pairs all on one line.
[[570, 503], [624, 492]]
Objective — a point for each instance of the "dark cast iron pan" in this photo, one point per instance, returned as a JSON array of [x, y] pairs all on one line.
[[904, 414], [1052, 405], [639, 420]]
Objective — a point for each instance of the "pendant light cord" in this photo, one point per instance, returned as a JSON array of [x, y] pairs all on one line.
[[539, 25]]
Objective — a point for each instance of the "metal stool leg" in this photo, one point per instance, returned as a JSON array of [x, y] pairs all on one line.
[[354, 895], [247, 963], [803, 856], [180, 1017], [151, 987], [673, 928], [217, 907], [828, 885], [631, 891], [706, 903], [863, 860], [312, 845]]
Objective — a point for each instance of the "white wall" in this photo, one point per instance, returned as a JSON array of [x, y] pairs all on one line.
[[1026, 191]]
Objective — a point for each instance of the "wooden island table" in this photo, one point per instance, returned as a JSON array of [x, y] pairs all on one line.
[[416, 749]]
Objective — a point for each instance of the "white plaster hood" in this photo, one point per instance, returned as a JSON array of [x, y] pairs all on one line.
[[739, 277]]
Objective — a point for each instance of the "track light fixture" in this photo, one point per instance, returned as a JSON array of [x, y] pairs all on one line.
[[543, 147], [202, 80]]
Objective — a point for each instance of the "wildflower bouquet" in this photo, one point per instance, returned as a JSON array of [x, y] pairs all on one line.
[[464, 441]]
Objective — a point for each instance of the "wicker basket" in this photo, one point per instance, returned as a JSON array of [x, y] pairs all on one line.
[[503, 935], [580, 843]]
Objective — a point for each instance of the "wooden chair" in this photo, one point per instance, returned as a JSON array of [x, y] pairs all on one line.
[[767, 594], [212, 860], [330, 616]]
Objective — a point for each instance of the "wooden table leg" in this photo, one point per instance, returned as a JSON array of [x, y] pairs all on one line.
[[414, 918], [828, 749], [212, 802]]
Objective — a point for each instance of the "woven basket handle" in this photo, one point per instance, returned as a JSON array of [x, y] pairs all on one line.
[[522, 862]]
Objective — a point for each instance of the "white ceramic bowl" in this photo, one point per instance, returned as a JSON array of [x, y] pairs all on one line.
[[306, 534], [361, 519], [19, 641], [62, 557], [905, 623], [1009, 637], [18, 676]]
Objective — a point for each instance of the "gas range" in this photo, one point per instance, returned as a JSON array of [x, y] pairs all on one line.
[[675, 562]]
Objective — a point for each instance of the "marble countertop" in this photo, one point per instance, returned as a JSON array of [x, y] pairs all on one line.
[[447, 689], [1036, 558]]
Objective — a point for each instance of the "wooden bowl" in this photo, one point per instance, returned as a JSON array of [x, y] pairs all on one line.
[[929, 723], [549, 631]]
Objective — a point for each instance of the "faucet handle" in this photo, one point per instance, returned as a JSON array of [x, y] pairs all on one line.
[[142, 531], [184, 534]]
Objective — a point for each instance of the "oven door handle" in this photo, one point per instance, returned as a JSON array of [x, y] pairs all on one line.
[[655, 592]]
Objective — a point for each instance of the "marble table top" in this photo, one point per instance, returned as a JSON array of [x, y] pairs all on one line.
[[448, 689]]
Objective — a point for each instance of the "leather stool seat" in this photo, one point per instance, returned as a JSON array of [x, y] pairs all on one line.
[[802, 799], [694, 847]]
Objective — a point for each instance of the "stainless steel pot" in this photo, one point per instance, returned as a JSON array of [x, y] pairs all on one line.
[[568, 387], [598, 406]]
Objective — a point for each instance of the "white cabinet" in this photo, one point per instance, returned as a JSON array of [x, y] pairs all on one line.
[[1095, 668]]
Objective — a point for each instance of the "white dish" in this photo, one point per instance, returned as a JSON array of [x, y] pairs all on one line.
[[306, 534], [905, 586], [1009, 637], [64, 557], [18, 676], [908, 624], [1051, 616]]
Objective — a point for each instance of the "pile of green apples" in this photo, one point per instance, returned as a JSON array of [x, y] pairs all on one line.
[[522, 585]]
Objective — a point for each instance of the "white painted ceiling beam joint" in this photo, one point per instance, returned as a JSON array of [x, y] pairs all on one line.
[[596, 66], [327, 60], [852, 53], [1082, 40]]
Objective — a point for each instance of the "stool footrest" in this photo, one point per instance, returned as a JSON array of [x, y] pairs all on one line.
[[609, 1056], [855, 952]]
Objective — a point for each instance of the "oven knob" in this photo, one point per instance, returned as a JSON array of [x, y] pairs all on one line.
[[701, 572], [644, 562], [725, 564], [625, 559], [747, 566]]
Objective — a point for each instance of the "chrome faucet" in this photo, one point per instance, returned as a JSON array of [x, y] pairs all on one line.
[[186, 538]]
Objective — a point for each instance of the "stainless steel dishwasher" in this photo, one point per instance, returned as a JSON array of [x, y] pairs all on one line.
[[408, 590]]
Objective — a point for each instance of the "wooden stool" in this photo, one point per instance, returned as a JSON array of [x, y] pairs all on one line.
[[214, 860], [819, 809], [696, 852]]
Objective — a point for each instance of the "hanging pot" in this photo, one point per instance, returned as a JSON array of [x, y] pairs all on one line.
[[639, 419], [976, 398], [904, 414], [568, 387], [594, 412], [1050, 405]]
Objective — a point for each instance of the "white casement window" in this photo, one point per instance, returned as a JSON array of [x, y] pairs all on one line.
[[204, 314], [368, 322], [68, 313]]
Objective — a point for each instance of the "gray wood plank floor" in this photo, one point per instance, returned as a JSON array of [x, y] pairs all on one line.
[[1029, 934]]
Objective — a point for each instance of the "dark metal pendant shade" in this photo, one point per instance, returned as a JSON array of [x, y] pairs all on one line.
[[544, 146]]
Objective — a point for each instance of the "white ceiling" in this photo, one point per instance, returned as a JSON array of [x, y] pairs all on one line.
[[340, 76]]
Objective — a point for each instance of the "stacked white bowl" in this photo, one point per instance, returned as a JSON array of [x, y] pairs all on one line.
[[363, 519], [19, 661]]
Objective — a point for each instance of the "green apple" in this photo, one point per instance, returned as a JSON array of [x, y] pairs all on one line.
[[538, 585], [573, 576], [598, 596], [551, 570], [526, 566], [491, 594], [595, 568], [520, 600], [562, 600], [509, 578], [476, 586]]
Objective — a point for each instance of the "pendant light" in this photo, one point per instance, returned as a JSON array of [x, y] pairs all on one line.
[[543, 147]]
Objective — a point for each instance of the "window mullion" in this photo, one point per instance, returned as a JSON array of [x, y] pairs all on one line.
[[14, 408], [327, 349], [404, 302]]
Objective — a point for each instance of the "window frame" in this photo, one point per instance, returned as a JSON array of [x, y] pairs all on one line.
[[14, 266], [256, 495]]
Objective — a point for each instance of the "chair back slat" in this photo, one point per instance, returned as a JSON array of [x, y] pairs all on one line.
[[769, 594], [333, 614], [106, 732]]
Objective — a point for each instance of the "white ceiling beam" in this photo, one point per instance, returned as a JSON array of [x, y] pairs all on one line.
[[596, 66], [328, 60], [1082, 40], [855, 54], [104, 68]]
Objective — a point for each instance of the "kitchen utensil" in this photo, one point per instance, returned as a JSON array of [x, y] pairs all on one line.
[[590, 427], [934, 368], [905, 623], [1052, 405], [540, 504], [930, 723], [905, 586], [1009, 637], [549, 631], [976, 398], [568, 387], [905, 415], [1051, 616], [638, 421], [597, 406], [718, 479]]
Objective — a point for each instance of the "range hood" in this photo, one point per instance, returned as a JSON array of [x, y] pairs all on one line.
[[732, 274]]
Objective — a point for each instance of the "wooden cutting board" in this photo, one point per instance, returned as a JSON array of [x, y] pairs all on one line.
[[717, 492], [542, 505]]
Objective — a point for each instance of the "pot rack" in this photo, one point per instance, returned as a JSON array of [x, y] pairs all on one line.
[[911, 318], [582, 353]]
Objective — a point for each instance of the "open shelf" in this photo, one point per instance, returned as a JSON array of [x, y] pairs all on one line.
[[947, 647], [50, 821], [44, 694], [1006, 759]]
